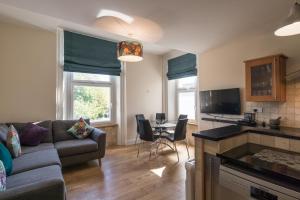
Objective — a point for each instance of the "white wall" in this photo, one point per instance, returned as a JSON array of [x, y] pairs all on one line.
[[144, 90], [223, 67], [27, 73]]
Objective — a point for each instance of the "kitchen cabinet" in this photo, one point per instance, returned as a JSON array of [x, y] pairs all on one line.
[[265, 78]]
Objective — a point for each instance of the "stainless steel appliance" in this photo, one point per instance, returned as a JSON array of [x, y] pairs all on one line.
[[235, 185]]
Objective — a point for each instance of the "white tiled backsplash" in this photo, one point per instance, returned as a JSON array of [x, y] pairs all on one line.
[[289, 111]]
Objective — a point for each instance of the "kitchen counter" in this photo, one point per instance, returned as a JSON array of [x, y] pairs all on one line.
[[222, 133], [270, 164], [219, 140]]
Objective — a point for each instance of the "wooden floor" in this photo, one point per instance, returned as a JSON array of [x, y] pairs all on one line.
[[123, 176]]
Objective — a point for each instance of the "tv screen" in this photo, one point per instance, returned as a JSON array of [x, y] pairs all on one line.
[[226, 101]]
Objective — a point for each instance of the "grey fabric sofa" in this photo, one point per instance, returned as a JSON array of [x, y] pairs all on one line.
[[71, 150], [37, 172]]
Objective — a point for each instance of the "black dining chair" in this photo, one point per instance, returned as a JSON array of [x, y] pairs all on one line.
[[147, 134], [178, 135], [138, 117], [182, 117], [160, 118]]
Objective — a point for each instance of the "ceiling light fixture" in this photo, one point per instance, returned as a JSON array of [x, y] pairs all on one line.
[[130, 51], [112, 13], [291, 25]]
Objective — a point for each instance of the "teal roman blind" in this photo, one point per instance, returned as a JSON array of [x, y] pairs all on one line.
[[90, 55], [182, 66]]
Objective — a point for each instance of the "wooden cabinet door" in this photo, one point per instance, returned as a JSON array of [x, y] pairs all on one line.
[[265, 79]]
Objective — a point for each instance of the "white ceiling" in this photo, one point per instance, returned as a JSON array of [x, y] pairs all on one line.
[[187, 25]]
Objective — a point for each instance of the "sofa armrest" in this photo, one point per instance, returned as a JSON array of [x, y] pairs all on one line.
[[46, 190], [99, 136]]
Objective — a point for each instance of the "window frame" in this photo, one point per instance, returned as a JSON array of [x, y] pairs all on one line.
[[71, 83], [179, 90]]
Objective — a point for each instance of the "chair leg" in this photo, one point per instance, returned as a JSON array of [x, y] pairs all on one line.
[[187, 147], [150, 154], [136, 138], [138, 153], [99, 161], [176, 151], [157, 147]]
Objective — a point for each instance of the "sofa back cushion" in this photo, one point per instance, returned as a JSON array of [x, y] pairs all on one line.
[[45, 124], [6, 159], [60, 128]]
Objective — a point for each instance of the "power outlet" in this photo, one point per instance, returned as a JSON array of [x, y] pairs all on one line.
[[257, 109]]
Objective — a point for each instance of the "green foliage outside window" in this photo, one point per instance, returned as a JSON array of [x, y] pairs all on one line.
[[91, 102]]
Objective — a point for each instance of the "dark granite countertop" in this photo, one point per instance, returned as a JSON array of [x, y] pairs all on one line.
[[221, 133], [276, 164]]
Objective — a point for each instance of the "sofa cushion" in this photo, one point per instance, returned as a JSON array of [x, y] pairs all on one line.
[[60, 128], [13, 142], [45, 124], [42, 146], [2, 177], [6, 158], [80, 129], [32, 134], [73, 147], [45, 183], [3, 132], [35, 160]]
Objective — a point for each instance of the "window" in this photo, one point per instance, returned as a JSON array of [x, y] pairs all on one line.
[[90, 96], [186, 96]]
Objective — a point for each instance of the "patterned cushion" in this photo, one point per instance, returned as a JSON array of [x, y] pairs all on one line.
[[5, 157], [3, 132], [2, 177], [32, 134], [80, 129], [13, 142]]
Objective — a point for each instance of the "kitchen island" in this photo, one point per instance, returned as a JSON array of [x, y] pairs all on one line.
[[213, 142]]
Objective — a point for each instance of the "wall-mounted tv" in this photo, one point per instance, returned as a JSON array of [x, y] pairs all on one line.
[[225, 101]]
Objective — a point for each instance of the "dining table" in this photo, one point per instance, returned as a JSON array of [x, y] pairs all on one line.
[[164, 128]]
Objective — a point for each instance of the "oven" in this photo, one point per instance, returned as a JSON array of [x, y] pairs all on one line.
[[256, 172], [235, 185]]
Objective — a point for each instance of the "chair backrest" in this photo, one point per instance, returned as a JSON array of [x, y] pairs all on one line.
[[160, 117], [138, 117], [182, 117], [180, 130], [145, 130]]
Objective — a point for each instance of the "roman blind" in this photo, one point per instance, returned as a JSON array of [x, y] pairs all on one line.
[[182, 66], [90, 55]]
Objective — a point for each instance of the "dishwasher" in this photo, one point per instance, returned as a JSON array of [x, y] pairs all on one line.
[[256, 172]]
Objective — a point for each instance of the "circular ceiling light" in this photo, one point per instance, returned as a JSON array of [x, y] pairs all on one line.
[[130, 51], [291, 26]]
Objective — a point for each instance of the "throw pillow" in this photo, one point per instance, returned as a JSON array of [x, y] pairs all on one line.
[[32, 134], [3, 132], [2, 177], [13, 142], [80, 129], [5, 157]]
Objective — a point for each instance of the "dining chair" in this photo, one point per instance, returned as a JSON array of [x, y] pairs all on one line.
[[160, 118], [182, 117], [138, 117], [178, 135], [147, 134]]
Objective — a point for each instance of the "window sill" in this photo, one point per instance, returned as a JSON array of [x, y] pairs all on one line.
[[103, 124], [192, 122]]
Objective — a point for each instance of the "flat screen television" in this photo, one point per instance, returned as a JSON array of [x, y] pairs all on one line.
[[225, 101]]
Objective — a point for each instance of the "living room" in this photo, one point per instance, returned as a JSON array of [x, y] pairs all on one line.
[[66, 64]]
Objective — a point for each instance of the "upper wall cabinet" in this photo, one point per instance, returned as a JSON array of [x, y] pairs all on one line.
[[265, 78]]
